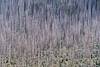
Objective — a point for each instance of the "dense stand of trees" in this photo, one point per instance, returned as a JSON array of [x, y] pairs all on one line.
[[49, 33]]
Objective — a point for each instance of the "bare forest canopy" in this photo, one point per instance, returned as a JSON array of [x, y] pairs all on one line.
[[44, 33]]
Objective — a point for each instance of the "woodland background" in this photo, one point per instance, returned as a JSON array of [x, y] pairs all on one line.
[[49, 33]]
